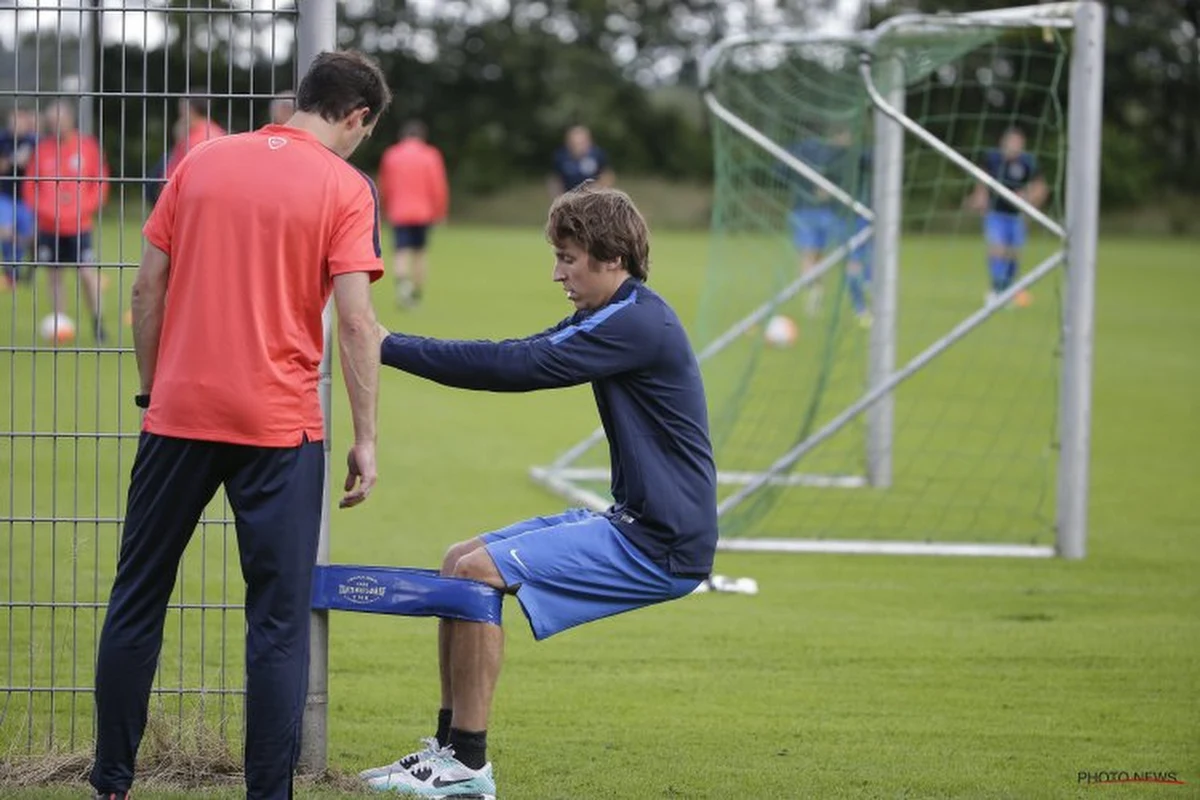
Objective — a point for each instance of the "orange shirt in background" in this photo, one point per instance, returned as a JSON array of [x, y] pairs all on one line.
[[412, 180], [256, 226], [57, 186], [199, 132]]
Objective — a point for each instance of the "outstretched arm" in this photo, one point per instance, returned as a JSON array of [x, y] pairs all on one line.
[[619, 338], [148, 303]]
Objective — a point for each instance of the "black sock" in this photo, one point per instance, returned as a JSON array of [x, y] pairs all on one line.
[[470, 747], [443, 728]]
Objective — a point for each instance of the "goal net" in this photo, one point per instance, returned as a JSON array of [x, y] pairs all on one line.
[[882, 322]]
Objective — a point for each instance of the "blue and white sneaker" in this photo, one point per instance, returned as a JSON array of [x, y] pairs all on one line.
[[440, 776], [430, 748]]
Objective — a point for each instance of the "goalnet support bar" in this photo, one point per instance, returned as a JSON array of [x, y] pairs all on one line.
[[886, 387]]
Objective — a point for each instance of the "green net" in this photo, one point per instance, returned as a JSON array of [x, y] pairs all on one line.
[[972, 453]]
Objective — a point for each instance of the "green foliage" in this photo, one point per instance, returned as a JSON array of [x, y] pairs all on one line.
[[498, 91]]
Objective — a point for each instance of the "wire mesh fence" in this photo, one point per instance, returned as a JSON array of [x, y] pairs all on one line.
[[98, 101]]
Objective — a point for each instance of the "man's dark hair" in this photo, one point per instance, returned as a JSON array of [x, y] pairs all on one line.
[[414, 127], [605, 223], [339, 83]]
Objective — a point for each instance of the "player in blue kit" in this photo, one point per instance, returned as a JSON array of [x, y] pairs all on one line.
[[1003, 224], [818, 222], [17, 143], [578, 161], [655, 543]]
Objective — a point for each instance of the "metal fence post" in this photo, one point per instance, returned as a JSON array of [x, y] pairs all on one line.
[[316, 31]]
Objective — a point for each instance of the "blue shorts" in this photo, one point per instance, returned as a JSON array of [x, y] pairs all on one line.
[[74, 250], [1004, 230], [814, 228], [576, 567], [410, 237]]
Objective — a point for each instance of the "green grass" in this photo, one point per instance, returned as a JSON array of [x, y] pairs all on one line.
[[845, 677]]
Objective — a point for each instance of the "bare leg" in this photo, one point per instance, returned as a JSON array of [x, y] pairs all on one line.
[[420, 267], [808, 262], [857, 286], [54, 276], [90, 278], [402, 269], [446, 626], [476, 651]]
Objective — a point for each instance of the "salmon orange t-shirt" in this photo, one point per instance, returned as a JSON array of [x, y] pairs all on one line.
[[66, 183], [412, 180], [256, 226]]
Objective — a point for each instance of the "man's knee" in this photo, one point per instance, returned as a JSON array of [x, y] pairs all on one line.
[[457, 552], [478, 566]]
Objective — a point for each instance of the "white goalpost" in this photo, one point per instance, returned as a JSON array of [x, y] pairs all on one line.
[[947, 427]]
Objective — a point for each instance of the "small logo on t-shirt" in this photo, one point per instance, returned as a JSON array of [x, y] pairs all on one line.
[[276, 142]]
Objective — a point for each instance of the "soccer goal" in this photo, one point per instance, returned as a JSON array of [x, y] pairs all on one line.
[[931, 394]]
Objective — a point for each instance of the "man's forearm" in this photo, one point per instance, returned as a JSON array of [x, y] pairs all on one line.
[[358, 340], [147, 305]]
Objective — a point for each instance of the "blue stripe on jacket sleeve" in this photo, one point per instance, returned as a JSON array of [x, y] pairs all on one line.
[[375, 239], [594, 320]]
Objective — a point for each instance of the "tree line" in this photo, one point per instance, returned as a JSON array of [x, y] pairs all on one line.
[[497, 91]]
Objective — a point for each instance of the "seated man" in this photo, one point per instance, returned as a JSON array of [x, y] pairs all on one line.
[[655, 543]]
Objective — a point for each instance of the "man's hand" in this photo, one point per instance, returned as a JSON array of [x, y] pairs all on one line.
[[360, 476]]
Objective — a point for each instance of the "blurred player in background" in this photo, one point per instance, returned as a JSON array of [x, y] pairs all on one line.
[[819, 222], [227, 331], [66, 183], [1003, 223], [17, 142], [156, 178], [577, 161], [194, 127], [655, 543], [281, 110], [416, 196]]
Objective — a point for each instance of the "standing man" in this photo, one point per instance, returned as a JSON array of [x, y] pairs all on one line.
[[412, 179], [818, 222], [577, 161], [194, 128], [657, 541], [66, 183], [229, 381], [17, 143], [1003, 223]]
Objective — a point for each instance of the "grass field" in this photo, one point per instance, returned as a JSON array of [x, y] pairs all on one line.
[[855, 677]]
